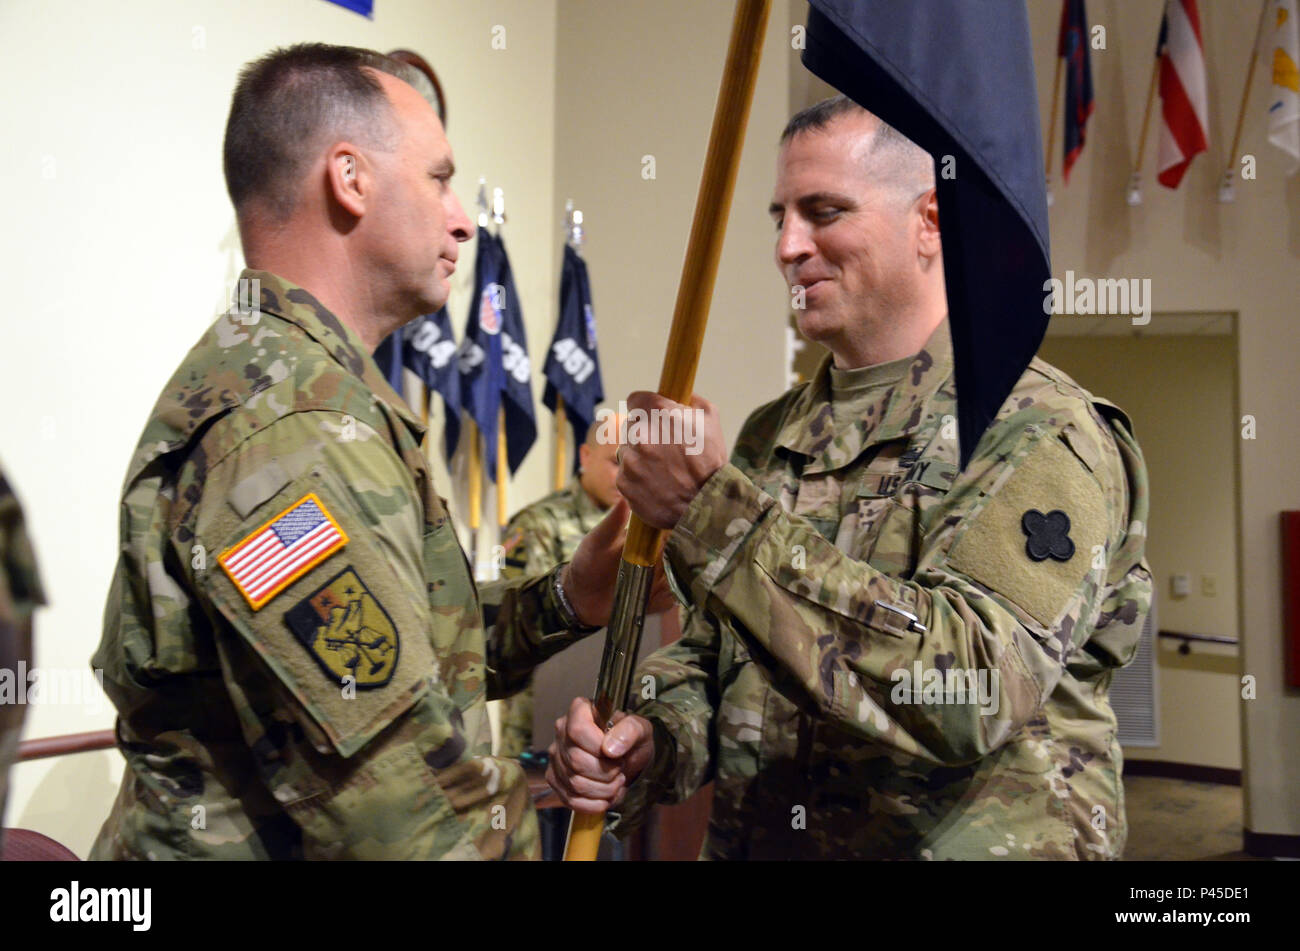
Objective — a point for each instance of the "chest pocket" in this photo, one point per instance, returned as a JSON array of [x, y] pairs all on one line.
[[898, 521], [860, 529], [867, 502]]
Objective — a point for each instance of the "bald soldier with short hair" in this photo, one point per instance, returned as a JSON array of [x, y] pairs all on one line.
[[884, 656], [297, 651]]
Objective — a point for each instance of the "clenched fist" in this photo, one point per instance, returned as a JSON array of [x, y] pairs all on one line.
[[660, 479], [591, 769]]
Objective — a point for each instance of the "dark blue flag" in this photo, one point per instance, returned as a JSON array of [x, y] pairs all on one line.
[[521, 419], [572, 367], [429, 350], [1072, 46], [479, 357], [389, 357], [365, 7], [957, 78], [493, 357], [427, 347]]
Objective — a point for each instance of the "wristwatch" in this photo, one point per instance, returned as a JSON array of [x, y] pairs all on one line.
[[567, 614]]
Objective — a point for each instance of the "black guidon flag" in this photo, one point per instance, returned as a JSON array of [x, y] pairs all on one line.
[[957, 78], [572, 367]]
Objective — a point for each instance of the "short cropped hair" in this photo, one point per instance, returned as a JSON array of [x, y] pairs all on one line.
[[288, 103], [819, 115], [896, 161]]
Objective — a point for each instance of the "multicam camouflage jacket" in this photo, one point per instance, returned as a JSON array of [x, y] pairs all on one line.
[[293, 638], [20, 594], [538, 538], [889, 658]]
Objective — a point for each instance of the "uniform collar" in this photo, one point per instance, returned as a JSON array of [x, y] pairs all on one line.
[[583, 503], [809, 428], [341, 342]]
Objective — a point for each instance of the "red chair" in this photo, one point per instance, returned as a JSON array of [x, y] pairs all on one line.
[[24, 845]]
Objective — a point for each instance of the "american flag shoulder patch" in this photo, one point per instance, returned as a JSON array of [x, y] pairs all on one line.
[[272, 557]]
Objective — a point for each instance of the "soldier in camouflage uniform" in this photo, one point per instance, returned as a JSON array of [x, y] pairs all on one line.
[[20, 595], [545, 534], [293, 640], [884, 656]]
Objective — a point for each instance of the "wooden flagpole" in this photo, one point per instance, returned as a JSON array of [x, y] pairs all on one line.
[[475, 490], [561, 450], [1135, 182], [1051, 126], [503, 471], [1226, 190]]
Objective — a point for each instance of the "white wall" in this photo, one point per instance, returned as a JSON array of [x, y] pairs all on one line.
[[638, 81], [120, 244]]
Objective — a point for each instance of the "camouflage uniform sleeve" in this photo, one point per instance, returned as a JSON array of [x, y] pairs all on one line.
[[837, 631], [527, 551], [339, 675], [529, 554], [525, 623], [682, 711], [529, 547]]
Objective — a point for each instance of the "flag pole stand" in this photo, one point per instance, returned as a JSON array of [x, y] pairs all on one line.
[[1134, 195], [1227, 187]]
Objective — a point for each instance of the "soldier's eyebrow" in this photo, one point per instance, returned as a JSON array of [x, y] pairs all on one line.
[[823, 198], [811, 201], [444, 167]]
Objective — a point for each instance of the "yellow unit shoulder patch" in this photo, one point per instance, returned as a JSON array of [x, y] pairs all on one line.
[[281, 551], [347, 631]]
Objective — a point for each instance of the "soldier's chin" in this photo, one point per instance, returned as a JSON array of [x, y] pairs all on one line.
[[815, 325], [434, 298]]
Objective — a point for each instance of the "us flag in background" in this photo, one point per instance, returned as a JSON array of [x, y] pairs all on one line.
[[1184, 111]]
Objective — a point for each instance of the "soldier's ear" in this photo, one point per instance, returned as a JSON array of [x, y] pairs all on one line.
[[929, 242], [348, 178]]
